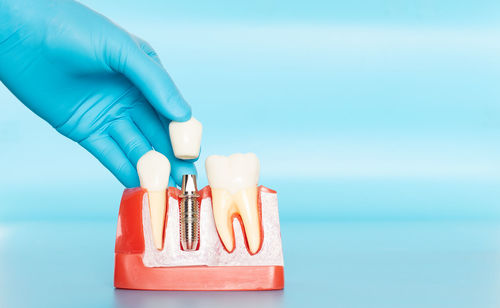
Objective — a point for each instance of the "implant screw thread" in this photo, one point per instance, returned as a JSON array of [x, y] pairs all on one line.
[[189, 213]]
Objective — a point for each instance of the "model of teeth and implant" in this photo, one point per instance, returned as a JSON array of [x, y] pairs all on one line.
[[225, 236]]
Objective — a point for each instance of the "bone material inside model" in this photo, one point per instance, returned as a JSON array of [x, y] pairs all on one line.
[[154, 171], [186, 138], [233, 181], [211, 251]]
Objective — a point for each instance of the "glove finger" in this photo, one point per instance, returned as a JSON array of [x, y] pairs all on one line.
[[150, 78], [148, 121], [148, 49], [130, 139], [107, 151]]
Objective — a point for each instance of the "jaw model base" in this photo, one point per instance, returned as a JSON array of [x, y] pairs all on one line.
[[132, 247], [130, 273]]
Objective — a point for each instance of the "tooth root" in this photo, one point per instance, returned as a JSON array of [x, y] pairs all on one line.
[[246, 202], [157, 209], [223, 209]]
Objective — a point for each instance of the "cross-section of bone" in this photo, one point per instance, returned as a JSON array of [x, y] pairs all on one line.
[[211, 251]]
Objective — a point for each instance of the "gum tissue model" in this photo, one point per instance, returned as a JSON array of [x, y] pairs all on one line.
[[225, 236]]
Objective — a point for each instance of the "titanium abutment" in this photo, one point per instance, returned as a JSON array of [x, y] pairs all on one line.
[[189, 213]]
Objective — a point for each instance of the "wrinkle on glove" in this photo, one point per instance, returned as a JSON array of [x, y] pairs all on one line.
[[92, 81]]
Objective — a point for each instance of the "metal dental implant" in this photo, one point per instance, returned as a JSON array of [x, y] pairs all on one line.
[[189, 213]]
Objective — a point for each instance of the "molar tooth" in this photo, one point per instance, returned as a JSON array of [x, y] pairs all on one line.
[[154, 171], [233, 181], [186, 138]]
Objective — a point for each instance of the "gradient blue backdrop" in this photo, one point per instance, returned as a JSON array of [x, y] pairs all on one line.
[[358, 110]]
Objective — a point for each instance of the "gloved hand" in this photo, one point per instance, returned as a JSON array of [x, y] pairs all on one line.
[[92, 81]]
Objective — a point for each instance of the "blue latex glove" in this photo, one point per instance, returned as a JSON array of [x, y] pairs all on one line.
[[92, 81]]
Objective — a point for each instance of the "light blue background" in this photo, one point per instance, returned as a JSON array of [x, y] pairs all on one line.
[[378, 122], [358, 110]]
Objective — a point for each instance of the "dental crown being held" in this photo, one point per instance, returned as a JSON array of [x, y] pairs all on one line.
[[225, 236], [186, 138]]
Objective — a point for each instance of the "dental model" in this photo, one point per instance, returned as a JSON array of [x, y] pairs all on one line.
[[230, 254], [186, 138], [154, 171], [233, 181]]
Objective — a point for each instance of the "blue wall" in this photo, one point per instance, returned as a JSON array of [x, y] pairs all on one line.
[[358, 109]]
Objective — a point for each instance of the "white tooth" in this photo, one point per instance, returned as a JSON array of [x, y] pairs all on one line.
[[154, 171], [233, 181], [186, 138]]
